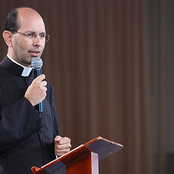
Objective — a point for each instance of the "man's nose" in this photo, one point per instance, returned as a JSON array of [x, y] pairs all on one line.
[[37, 41]]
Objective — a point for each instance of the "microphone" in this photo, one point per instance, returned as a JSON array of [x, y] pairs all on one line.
[[36, 64]]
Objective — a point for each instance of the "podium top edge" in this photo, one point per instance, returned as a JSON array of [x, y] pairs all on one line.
[[104, 139]]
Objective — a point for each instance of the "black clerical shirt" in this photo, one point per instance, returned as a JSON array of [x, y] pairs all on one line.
[[26, 138]]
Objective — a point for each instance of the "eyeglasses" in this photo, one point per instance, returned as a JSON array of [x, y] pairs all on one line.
[[31, 35]]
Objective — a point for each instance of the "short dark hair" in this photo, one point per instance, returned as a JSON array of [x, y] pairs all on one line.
[[11, 23]]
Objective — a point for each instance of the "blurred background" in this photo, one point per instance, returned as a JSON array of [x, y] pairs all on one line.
[[111, 63]]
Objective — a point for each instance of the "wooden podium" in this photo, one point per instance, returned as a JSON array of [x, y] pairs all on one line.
[[82, 160]]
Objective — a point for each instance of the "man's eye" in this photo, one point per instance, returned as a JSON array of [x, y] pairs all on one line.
[[42, 35], [29, 34]]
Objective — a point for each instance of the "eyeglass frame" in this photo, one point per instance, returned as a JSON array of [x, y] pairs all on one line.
[[34, 35]]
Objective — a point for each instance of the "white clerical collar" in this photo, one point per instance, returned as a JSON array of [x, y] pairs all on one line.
[[26, 70]]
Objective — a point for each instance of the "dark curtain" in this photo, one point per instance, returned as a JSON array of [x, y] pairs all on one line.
[[111, 64]]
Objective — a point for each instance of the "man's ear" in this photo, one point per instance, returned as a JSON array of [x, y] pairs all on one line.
[[7, 35]]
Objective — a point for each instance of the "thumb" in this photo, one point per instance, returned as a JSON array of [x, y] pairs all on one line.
[[57, 139]]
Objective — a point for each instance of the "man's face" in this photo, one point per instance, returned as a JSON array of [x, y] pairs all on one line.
[[23, 49]]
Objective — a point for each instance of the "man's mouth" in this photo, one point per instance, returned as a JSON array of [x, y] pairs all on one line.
[[34, 53]]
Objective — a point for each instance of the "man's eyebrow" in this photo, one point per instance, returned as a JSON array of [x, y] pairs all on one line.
[[30, 31]]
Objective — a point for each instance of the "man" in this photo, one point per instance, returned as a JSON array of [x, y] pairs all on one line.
[[27, 138]]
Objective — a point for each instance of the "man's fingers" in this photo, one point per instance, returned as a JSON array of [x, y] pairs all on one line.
[[61, 152], [62, 145], [62, 140], [39, 78], [57, 139], [36, 92]]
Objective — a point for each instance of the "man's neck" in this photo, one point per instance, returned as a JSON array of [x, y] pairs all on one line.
[[26, 70]]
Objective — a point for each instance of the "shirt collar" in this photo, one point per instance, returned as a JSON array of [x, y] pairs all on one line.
[[26, 70]]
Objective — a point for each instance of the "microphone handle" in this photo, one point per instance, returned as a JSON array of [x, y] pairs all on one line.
[[40, 105]]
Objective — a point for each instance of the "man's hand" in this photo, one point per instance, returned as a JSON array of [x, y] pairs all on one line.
[[62, 145], [36, 92]]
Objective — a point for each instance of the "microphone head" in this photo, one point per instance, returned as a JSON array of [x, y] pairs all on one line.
[[36, 63]]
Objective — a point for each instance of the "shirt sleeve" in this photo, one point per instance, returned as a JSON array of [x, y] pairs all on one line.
[[18, 121]]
